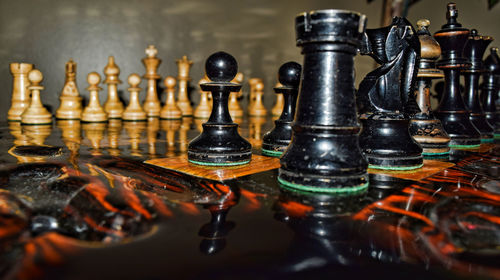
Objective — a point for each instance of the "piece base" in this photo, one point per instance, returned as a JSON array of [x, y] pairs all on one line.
[[398, 168], [219, 163], [271, 153], [329, 190]]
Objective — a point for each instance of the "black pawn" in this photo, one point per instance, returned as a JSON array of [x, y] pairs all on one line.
[[474, 50], [220, 143], [324, 154], [452, 111], [490, 89], [277, 140]]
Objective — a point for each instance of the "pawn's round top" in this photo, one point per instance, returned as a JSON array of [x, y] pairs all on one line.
[[93, 78], [259, 86], [35, 77], [221, 67], [169, 82], [134, 80], [289, 74]]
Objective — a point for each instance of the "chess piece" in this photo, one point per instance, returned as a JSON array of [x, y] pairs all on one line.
[[255, 131], [20, 93], [37, 134], [15, 130], [170, 110], [71, 136], [235, 110], [152, 131], [134, 111], [215, 232], [170, 127], [277, 140], [94, 112], [113, 106], [251, 96], [71, 102], [219, 143], [491, 88], [324, 154], [94, 132], [257, 109], [152, 104], [114, 132], [279, 104], [36, 113], [204, 108], [451, 110], [474, 50], [424, 127], [134, 131], [386, 100], [183, 99]]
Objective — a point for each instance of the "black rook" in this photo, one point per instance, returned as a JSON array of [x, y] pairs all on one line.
[[324, 154]]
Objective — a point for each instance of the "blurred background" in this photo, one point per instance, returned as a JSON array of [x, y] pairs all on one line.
[[259, 33]]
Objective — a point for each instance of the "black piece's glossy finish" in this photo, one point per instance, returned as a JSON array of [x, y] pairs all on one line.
[[474, 50], [277, 140], [491, 89], [452, 111], [324, 153], [220, 142], [385, 97]]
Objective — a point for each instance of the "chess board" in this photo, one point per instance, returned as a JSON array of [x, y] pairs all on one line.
[[78, 195]]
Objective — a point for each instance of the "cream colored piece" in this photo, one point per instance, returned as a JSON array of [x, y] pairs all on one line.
[[36, 113], [170, 110], [71, 102], [20, 93], [134, 111], [94, 112], [280, 102], [152, 104], [204, 109], [113, 106], [183, 101], [234, 106], [258, 109]]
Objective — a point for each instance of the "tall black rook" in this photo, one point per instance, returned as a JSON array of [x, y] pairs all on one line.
[[324, 154]]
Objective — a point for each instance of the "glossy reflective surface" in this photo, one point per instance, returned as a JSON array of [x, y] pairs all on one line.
[[93, 210]]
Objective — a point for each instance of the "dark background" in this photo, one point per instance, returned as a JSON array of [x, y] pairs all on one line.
[[259, 33]]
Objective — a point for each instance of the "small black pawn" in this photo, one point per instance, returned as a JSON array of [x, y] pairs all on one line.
[[277, 140], [474, 50], [324, 154], [451, 110], [220, 144], [490, 89]]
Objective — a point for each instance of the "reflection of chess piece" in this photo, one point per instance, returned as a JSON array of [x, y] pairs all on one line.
[[280, 102], [94, 132], [16, 131], [424, 127], [204, 109], [71, 136], [71, 102], [94, 112], [214, 233], [234, 105], [251, 96], [20, 93], [35, 136], [114, 132], [151, 62], [170, 127], [134, 111], [153, 128], [255, 131], [134, 131], [257, 109], [183, 139], [113, 106], [36, 113], [170, 110], [183, 101], [37, 133]]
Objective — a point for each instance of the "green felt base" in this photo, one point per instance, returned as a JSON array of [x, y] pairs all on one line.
[[395, 168], [436, 154], [496, 136], [270, 153], [465, 146], [334, 190], [219, 163], [488, 140]]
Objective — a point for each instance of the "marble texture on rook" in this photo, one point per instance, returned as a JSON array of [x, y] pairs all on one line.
[[490, 89], [452, 111], [324, 154], [93, 112], [474, 51], [36, 113], [71, 102], [183, 65], [220, 143], [424, 127], [277, 140], [134, 111], [386, 99], [152, 104], [113, 106], [170, 110], [20, 93]]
